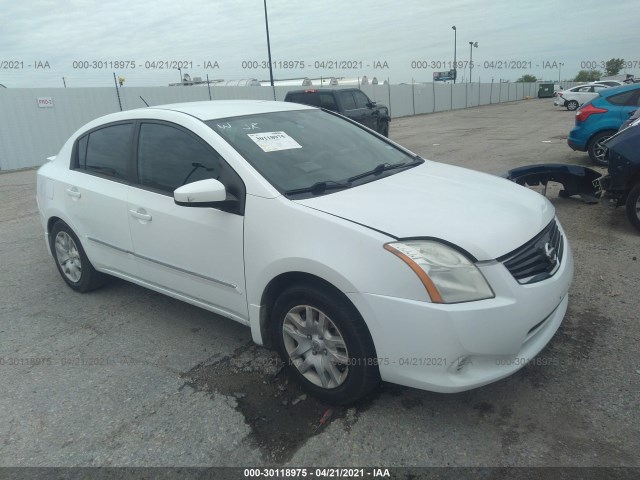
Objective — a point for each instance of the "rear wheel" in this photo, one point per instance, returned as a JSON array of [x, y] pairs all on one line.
[[572, 105], [632, 206], [71, 260], [325, 344], [598, 152]]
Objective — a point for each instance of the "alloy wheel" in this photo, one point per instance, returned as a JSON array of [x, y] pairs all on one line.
[[315, 346], [600, 150], [68, 257]]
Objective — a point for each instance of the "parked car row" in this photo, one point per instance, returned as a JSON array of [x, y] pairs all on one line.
[[573, 97], [601, 117], [607, 126]]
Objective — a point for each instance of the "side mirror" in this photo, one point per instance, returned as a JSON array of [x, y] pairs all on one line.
[[203, 193], [371, 104]]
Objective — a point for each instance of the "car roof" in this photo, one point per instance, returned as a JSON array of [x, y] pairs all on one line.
[[607, 92], [212, 110]]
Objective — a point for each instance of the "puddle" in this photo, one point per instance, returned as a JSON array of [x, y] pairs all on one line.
[[282, 418]]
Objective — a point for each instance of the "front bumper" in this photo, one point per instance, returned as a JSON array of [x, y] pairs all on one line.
[[452, 348], [611, 194]]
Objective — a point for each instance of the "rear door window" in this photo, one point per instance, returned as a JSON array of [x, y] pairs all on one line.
[[346, 98], [310, 98], [361, 100], [106, 151], [328, 101]]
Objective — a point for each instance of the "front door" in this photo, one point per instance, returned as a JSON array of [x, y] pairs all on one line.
[[191, 253]]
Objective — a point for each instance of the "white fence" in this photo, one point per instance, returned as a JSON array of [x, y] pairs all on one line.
[[35, 122]]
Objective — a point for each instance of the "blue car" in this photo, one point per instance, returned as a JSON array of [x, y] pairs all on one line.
[[600, 118]]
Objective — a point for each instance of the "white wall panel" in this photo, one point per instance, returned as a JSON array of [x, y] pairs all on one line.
[[29, 134]]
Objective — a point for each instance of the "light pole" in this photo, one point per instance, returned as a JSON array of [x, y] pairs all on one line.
[[471, 46], [266, 22], [455, 44], [559, 71]]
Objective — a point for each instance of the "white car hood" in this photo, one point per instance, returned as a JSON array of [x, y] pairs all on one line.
[[485, 215]]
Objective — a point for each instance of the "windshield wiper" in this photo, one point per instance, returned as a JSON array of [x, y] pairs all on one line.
[[319, 187], [384, 167]]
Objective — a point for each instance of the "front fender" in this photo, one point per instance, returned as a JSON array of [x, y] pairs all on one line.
[[283, 236]]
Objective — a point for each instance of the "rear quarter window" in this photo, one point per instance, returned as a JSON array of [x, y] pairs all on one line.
[[629, 98]]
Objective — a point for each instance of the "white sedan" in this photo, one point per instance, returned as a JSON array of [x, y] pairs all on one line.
[[353, 257], [572, 98]]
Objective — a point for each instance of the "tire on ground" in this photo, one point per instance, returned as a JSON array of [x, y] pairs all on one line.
[[632, 206], [358, 375], [598, 154], [71, 260]]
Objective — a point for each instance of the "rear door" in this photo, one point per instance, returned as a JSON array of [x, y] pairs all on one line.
[[96, 196], [349, 107], [328, 101]]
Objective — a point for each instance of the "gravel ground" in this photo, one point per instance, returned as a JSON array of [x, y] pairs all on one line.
[[127, 377]]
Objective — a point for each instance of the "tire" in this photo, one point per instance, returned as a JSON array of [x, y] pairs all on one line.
[[71, 260], [632, 206], [331, 356], [384, 128], [572, 105], [598, 153]]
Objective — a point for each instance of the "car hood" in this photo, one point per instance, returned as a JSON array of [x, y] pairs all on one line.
[[485, 215]]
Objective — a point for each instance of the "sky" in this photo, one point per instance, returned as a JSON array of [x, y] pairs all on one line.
[[85, 42]]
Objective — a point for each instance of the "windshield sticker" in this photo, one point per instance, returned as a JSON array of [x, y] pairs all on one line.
[[273, 141]]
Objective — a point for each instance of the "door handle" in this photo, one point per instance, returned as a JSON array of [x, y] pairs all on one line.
[[73, 192], [140, 214]]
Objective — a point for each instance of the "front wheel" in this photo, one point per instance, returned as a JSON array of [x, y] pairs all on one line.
[[572, 105], [325, 344], [632, 206], [598, 152]]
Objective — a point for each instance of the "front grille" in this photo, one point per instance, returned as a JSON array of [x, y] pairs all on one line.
[[537, 259]]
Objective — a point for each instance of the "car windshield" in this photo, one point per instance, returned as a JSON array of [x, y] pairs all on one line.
[[304, 149]]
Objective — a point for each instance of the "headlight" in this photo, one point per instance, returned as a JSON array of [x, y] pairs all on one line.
[[448, 276]]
